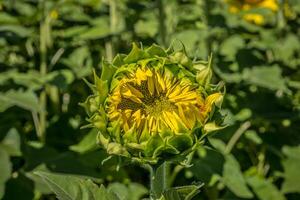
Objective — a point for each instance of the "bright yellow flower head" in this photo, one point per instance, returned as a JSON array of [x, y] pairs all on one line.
[[153, 100], [151, 104], [247, 8]]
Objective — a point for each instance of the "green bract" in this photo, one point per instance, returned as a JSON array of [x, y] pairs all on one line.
[[153, 104]]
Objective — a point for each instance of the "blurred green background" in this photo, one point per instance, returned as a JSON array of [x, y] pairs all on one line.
[[47, 47]]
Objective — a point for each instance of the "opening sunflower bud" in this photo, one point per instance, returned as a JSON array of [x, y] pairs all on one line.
[[152, 105]]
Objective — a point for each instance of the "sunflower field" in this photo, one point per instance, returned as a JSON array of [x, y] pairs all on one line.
[[149, 99]]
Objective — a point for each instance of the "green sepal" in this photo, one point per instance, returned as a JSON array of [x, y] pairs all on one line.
[[91, 104], [154, 145], [181, 142], [204, 73], [181, 58], [117, 149], [145, 135], [135, 146], [144, 62], [90, 85], [101, 88], [135, 54], [108, 71], [98, 121], [130, 136], [103, 139], [212, 126], [115, 130], [118, 61], [155, 50]]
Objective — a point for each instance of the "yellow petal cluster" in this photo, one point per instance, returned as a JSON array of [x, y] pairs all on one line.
[[150, 101]]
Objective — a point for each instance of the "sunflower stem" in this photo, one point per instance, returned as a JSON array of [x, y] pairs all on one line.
[[44, 27], [207, 8], [113, 17], [162, 24], [158, 180]]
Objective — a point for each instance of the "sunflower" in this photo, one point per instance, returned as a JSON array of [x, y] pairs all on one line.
[[248, 7], [151, 104]]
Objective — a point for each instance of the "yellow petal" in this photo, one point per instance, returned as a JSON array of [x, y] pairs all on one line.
[[150, 84]]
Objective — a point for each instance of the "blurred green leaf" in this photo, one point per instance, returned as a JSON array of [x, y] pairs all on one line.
[[233, 178], [79, 61], [6, 18], [266, 76], [264, 189], [291, 167], [231, 45], [24, 99], [252, 135], [16, 29], [19, 187], [5, 169], [11, 143], [209, 164], [60, 78], [99, 30], [182, 193], [88, 143], [133, 191], [147, 25], [75, 188]]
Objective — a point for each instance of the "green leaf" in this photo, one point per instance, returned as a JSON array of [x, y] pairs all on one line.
[[265, 76], [158, 180], [189, 38], [5, 18], [182, 193], [264, 189], [60, 78], [291, 167], [5, 170], [75, 188], [11, 143], [31, 79], [101, 29], [234, 179], [88, 143], [231, 45], [133, 191], [217, 144], [24, 99], [17, 29], [208, 165], [19, 187], [147, 26], [79, 61], [253, 136]]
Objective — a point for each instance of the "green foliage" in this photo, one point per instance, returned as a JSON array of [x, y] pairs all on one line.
[[47, 47], [291, 165], [74, 188], [234, 179]]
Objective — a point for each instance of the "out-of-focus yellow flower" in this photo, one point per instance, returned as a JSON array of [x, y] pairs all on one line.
[[238, 6], [255, 18], [288, 11], [53, 14]]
